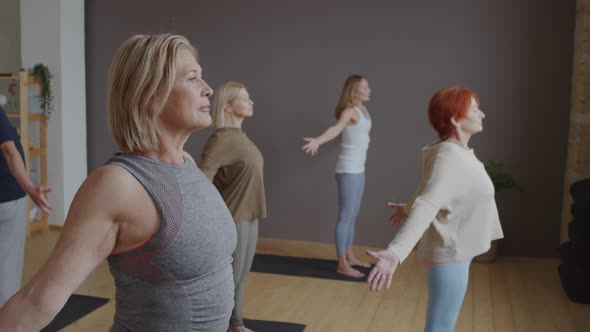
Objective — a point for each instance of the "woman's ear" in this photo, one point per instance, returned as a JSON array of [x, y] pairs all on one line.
[[455, 122], [227, 108]]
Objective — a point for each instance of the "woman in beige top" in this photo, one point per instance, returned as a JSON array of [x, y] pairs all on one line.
[[453, 210], [235, 165]]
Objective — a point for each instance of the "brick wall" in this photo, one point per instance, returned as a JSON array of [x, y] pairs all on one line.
[[578, 159]]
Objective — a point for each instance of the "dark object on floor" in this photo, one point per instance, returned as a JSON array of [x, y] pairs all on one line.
[[574, 280], [269, 326], [574, 270], [77, 307], [302, 267], [489, 256], [580, 191], [574, 254]]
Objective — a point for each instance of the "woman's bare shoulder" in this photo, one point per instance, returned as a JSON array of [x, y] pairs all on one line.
[[109, 184]]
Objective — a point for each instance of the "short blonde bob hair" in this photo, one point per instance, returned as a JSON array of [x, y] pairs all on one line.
[[140, 80], [225, 94]]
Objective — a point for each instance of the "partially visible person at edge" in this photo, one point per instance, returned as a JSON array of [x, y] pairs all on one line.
[[15, 184]]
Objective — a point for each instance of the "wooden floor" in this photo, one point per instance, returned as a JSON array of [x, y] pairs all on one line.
[[513, 294]]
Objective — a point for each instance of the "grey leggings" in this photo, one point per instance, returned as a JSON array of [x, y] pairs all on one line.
[[12, 247], [243, 256], [350, 194]]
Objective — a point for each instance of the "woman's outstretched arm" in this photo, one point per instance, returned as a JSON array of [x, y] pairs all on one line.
[[89, 235], [313, 143]]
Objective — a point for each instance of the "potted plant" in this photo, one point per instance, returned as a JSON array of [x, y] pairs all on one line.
[[43, 75], [502, 180]]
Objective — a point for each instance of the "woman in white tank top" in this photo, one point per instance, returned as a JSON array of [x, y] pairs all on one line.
[[354, 122]]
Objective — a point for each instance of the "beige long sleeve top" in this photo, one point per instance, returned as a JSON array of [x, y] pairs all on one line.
[[236, 167], [453, 210]]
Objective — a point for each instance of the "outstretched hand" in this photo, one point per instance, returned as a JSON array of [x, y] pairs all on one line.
[[38, 195], [382, 273], [399, 216], [312, 146]]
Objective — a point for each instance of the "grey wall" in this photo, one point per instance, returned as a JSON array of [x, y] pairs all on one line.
[[9, 37], [294, 57]]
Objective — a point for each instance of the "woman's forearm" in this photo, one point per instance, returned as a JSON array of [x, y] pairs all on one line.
[[17, 166], [21, 313], [328, 135]]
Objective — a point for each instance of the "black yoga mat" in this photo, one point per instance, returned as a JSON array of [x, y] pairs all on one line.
[[303, 267], [77, 307], [268, 326]]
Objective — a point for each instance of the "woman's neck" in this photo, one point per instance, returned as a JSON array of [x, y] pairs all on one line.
[[235, 122], [460, 140], [170, 149]]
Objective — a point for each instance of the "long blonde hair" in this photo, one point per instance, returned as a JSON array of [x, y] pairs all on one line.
[[346, 96], [225, 94], [140, 80]]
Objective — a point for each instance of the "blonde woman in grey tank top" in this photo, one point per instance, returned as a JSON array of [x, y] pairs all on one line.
[[165, 230], [354, 122]]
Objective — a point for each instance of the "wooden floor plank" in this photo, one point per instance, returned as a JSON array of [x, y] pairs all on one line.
[[503, 319], [483, 314], [390, 311], [465, 319]]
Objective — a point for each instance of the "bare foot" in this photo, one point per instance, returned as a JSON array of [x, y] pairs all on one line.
[[353, 261], [240, 328], [349, 271]]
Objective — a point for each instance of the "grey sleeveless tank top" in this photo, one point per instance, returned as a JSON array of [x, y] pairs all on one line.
[[181, 279]]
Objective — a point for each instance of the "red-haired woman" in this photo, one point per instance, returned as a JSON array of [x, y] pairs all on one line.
[[453, 210]]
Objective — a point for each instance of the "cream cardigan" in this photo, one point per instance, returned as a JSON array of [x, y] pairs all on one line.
[[453, 210]]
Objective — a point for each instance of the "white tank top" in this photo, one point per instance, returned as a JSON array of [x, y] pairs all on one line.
[[353, 146]]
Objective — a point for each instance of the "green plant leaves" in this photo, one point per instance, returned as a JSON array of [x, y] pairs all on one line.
[[44, 75], [501, 179]]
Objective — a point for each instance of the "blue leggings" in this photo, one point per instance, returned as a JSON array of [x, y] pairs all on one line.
[[350, 195], [446, 289]]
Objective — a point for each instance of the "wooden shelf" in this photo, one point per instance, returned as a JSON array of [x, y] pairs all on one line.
[[37, 117], [32, 117], [38, 225], [37, 153], [29, 80]]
